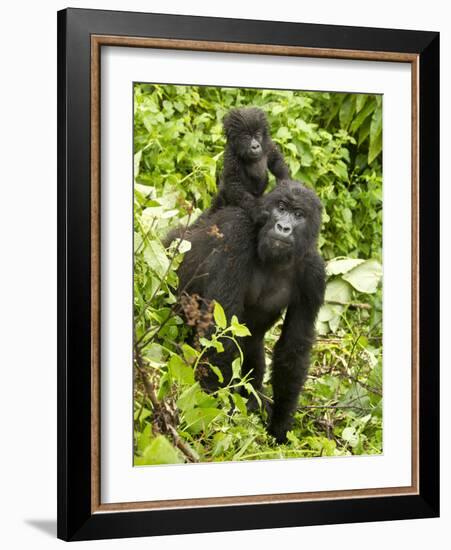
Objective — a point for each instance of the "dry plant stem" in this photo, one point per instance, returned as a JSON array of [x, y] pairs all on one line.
[[337, 407], [354, 305], [148, 386], [181, 445], [339, 340]]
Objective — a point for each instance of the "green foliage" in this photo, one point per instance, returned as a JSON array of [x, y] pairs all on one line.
[[333, 143], [347, 278]]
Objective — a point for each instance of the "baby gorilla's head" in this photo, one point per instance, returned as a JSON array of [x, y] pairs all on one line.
[[292, 219], [247, 131]]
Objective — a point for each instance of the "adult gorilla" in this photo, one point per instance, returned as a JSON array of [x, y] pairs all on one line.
[[256, 272]]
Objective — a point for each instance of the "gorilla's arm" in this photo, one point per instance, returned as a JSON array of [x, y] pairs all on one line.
[[276, 163], [291, 358]]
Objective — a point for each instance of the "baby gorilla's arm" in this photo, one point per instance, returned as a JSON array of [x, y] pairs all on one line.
[[276, 163]]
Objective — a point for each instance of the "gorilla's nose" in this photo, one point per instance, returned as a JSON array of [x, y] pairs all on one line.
[[255, 146], [283, 228]]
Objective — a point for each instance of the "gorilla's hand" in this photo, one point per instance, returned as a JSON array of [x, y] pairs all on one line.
[[278, 430]]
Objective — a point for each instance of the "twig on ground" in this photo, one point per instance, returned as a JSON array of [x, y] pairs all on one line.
[[182, 445]]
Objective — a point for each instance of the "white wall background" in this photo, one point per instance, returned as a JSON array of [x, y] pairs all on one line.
[[28, 274]]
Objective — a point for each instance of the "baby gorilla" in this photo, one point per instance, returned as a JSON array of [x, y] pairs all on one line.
[[257, 271], [249, 153]]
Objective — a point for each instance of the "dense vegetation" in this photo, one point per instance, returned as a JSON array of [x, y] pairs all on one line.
[[333, 143]]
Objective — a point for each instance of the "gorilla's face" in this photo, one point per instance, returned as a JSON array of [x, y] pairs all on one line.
[[250, 145], [292, 215], [247, 132]]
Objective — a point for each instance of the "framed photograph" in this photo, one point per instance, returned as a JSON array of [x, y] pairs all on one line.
[[248, 274]]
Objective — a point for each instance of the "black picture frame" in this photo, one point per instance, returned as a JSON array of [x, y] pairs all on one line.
[[76, 520]]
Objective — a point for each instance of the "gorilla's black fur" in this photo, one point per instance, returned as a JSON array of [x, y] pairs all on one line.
[[256, 272], [248, 155]]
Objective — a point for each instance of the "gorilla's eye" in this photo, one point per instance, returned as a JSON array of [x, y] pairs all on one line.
[[298, 214], [281, 207]]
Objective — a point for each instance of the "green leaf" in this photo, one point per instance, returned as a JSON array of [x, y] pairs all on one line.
[[136, 162], [375, 148], [291, 147], [164, 387], [156, 258], [341, 265], [251, 390], [362, 116], [206, 400], [350, 435], [375, 135], [375, 377], [236, 368], [329, 312], [356, 395], [144, 437], [221, 442], [239, 329], [160, 451], [218, 372], [277, 109], [137, 241], [338, 291], [334, 323], [283, 133], [180, 371], [340, 170], [365, 277], [219, 315], [206, 343], [184, 246], [322, 328], [360, 101], [219, 346], [347, 110], [240, 403], [294, 166], [190, 354], [364, 131], [141, 413], [244, 446], [189, 397], [170, 214], [199, 419], [154, 353], [347, 215]]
